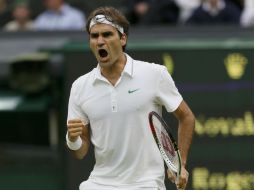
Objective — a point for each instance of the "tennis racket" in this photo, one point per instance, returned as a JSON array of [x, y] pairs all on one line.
[[166, 143]]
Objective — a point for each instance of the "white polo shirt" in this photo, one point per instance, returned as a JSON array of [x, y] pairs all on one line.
[[125, 152]]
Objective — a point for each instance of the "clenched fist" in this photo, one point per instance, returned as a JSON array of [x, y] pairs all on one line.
[[76, 128]]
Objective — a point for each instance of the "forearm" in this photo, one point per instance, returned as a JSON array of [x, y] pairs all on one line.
[[81, 153], [185, 133]]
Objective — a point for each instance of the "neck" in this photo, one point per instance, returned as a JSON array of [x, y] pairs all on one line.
[[113, 72]]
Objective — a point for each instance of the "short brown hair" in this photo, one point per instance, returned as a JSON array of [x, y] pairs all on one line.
[[115, 16]]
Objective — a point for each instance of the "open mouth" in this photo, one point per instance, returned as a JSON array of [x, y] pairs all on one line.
[[103, 53]]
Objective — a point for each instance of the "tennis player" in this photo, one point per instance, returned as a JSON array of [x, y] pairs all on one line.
[[109, 108]]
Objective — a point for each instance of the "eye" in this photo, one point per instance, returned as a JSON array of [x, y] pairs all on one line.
[[94, 35], [107, 34]]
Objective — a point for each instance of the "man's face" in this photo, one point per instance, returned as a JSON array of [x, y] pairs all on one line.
[[106, 44], [21, 13]]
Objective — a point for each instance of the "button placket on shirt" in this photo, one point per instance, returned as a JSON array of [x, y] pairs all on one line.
[[113, 98]]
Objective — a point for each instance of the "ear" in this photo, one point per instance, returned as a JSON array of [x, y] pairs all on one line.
[[123, 39]]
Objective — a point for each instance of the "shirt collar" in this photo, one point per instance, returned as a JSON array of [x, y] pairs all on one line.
[[128, 70]]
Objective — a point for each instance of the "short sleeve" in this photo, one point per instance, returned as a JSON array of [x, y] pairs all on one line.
[[167, 93], [74, 110]]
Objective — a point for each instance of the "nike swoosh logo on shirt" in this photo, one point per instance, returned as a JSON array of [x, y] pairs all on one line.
[[131, 91]]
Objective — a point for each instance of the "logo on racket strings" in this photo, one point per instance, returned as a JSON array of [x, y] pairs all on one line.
[[167, 145]]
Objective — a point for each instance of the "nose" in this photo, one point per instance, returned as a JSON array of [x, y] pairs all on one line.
[[100, 40]]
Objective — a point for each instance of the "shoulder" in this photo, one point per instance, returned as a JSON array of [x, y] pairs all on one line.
[[43, 16], [144, 66], [148, 71], [82, 80], [82, 85], [73, 10]]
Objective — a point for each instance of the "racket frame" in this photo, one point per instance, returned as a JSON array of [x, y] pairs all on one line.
[[160, 146]]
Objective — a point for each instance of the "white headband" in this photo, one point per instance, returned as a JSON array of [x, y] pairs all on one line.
[[103, 20]]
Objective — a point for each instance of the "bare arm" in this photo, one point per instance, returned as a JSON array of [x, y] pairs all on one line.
[[186, 120], [75, 129]]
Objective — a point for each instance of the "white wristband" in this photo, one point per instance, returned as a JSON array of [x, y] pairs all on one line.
[[73, 145]]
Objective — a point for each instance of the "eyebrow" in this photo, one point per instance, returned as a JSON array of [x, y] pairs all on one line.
[[104, 34]]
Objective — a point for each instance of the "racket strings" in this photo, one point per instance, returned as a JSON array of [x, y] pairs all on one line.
[[168, 148], [166, 145]]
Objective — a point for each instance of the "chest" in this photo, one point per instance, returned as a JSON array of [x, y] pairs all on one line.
[[105, 100]]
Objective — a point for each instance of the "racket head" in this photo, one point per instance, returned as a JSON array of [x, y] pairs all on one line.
[[165, 143]]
